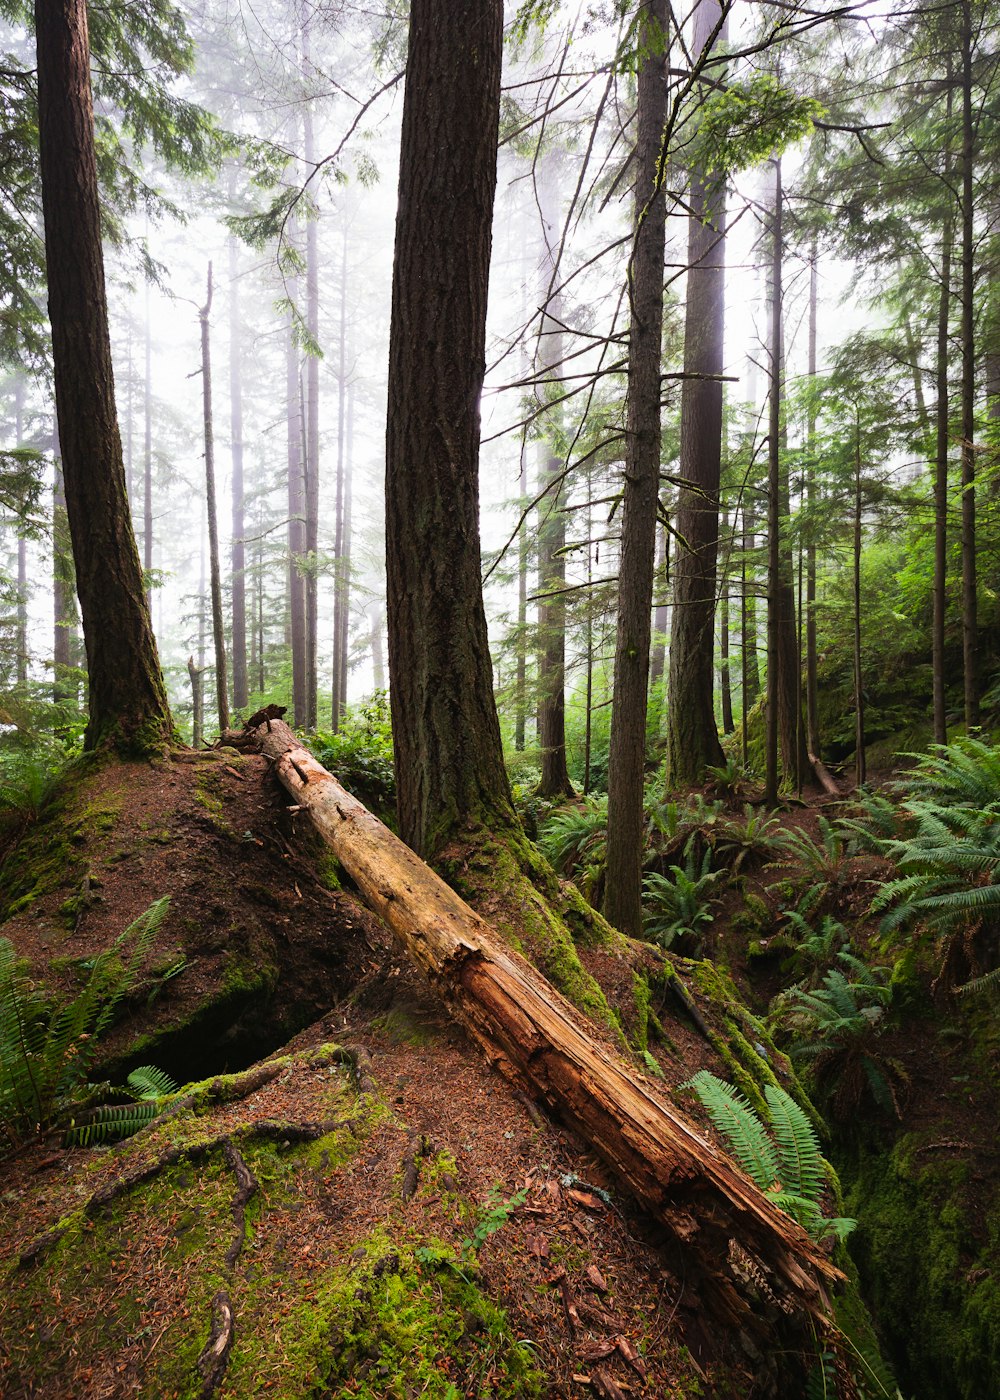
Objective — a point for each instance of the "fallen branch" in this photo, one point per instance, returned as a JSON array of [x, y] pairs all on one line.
[[247, 1187], [536, 1038]]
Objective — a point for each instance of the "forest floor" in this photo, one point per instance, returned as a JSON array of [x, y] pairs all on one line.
[[538, 1278]]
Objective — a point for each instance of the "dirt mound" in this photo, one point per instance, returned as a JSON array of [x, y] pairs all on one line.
[[375, 1212]]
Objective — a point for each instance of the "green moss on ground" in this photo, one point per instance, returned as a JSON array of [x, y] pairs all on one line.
[[387, 1314]]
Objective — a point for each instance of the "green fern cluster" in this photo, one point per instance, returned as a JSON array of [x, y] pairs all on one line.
[[948, 857], [786, 1163], [575, 842], [45, 1055], [835, 1032], [148, 1086], [678, 906]]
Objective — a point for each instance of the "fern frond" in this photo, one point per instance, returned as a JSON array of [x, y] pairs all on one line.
[[734, 1117], [800, 1160], [989, 982], [111, 1123], [149, 1082]]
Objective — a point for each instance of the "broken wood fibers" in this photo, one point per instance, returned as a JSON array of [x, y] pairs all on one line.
[[743, 1253]]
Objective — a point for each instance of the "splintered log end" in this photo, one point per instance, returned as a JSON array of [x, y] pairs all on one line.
[[214, 1358]]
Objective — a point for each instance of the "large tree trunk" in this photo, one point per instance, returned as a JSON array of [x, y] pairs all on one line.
[[692, 736], [128, 702], [446, 735], [732, 1237], [627, 756]]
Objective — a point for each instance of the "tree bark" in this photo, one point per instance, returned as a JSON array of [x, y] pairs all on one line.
[[337, 687], [147, 459], [554, 780], [627, 755], [970, 628], [344, 594], [859, 694], [446, 735], [311, 456], [725, 679], [64, 636], [128, 702], [241, 689], [942, 415], [536, 1038], [296, 512], [692, 736], [22, 552], [812, 664], [214, 568]]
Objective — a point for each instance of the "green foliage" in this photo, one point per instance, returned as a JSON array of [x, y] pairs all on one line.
[[29, 777], [360, 753], [749, 121], [835, 1030], [816, 948], [45, 1054], [786, 1163], [148, 1086], [948, 857], [574, 840], [741, 844], [493, 1217], [679, 906]]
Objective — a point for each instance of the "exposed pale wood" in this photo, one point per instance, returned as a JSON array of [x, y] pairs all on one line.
[[539, 1040], [827, 782]]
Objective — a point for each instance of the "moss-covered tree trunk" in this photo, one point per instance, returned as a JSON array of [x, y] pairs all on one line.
[[128, 702], [449, 760]]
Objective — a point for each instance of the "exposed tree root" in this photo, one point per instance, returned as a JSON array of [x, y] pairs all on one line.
[[268, 1130], [214, 1359], [247, 1188]]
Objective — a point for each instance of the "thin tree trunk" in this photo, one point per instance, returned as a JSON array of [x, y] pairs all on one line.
[[814, 741], [337, 687], [128, 702], [774, 500], [147, 460], [63, 589], [942, 417], [725, 684], [859, 695], [197, 705], [215, 572], [658, 654], [378, 661], [296, 514], [970, 631], [692, 735], [22, 552], [311, 458], [241, 692], [555, 780], [748, 623], [626, 760], [345, 560]]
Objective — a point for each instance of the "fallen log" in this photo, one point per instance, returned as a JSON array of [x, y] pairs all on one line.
[[741, 1253], [827, 781]]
